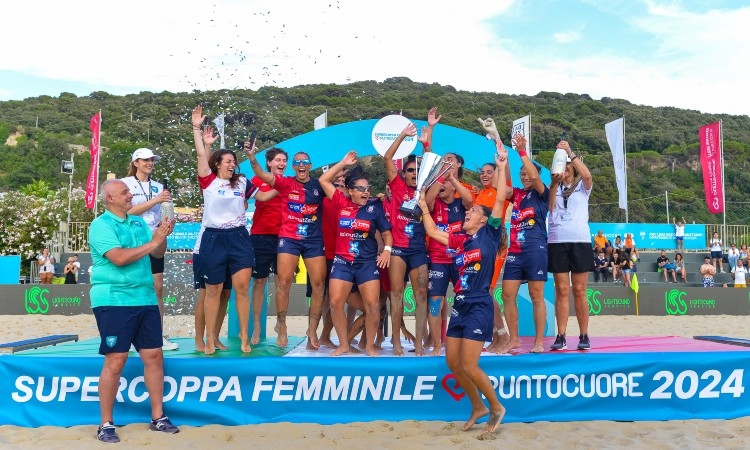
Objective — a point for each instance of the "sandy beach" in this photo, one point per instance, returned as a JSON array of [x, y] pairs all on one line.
[[407, 434]]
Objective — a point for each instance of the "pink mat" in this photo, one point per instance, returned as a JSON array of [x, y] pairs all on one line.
[[634, 344]]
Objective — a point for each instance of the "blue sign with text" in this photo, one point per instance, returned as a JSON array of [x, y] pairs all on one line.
[[655, 236]]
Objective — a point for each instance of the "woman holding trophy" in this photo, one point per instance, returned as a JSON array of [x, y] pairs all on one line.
[[471, 322], [409, 255]]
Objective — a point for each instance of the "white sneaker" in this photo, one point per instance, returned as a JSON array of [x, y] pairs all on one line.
[[166, 344]]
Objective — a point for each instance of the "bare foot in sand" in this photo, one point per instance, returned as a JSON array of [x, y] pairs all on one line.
[[344, 349], [538, 347], [327, 342], [476, 414], [281, 340], [494, 422], [256, 335], [312, 340]]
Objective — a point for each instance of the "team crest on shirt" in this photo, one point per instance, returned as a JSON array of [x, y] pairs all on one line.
[[315, 192], [221, 192], [370, 209], [111, 341], [154, 189], [136, 223]]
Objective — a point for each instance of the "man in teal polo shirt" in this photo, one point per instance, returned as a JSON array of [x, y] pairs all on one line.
[[124, 302]]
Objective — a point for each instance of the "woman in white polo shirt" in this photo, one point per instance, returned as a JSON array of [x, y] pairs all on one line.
[[148, 195], [569, 245]]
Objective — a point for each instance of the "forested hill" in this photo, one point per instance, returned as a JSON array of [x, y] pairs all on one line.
[[662, 142]]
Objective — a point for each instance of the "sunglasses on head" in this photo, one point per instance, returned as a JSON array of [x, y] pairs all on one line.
[[299, 162], [410, 169], [363, 188], [338, 185]]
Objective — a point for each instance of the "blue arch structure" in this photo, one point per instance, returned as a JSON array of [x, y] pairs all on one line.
[[328, 145]]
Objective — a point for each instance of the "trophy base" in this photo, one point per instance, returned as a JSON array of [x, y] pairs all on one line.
[[411, 210]]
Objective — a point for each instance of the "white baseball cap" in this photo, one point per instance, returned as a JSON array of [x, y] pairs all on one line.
[[144, 153]]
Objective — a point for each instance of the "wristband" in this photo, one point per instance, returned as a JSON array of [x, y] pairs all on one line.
[[522, 153], [573, 158], [387, 248], [440, 180], [425, 144]]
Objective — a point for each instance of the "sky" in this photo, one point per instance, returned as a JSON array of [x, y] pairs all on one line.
[[689, 54]]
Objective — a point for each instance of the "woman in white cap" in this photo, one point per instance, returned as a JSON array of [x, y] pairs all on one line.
[[148, 195]]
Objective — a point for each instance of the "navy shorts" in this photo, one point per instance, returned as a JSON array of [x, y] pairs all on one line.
[[157, 265], [567, 257], [264, 246], [440, 276], [680, 238], [716, 254], [359, 272], [120, 326], [305, 249], [225, 249], [472, 317], [198, 282], [529, 266], [413, 258]]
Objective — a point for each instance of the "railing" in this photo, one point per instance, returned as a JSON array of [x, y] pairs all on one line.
[[78, 237]]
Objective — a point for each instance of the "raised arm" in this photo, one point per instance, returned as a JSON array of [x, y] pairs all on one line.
[[250, 151], [467, 199], [326, 180], [429, 225], [586, 177], [501, 159], [390, 166], [520, 142], [197, 119], [426, 136]]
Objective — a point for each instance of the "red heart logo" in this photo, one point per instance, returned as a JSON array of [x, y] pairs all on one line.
[[455, 391]]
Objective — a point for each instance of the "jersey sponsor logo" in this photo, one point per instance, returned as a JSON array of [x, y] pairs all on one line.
[[293, 197], [468, 257], [354, 248], [345, 223], [455, 227], [237, 194], [302, 230], [309, 209], [361, 225], [522, 214], [409, 230], [346, 212]]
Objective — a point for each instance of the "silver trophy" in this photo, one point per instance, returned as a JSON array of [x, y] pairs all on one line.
[[432, 168]]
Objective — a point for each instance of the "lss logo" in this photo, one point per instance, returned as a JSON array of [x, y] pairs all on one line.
[[34, 300]]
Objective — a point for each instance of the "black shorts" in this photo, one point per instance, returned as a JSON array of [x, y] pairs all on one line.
[[120, 326], [157, 265], [564, 257], [265, 246]]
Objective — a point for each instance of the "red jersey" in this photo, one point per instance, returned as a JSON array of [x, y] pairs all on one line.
[[449, 218], [330, 228], [267, 216], [407, 232]]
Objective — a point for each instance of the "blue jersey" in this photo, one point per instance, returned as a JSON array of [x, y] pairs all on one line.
[[475, 257], [356, 228], [301, 209], [528, 231], [448, 218]]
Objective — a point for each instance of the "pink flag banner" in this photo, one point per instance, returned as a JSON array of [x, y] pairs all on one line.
[[711, 163], [92, 183]]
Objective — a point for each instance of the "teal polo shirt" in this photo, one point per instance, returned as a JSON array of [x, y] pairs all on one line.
[[112, 285]]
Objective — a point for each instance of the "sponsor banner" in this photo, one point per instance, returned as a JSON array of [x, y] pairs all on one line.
[[522, 126], [92, 181], [62, 391], [657, 236], [712, 164], [184, 236]]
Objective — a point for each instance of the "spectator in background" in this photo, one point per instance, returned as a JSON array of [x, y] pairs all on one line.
[[743, 253], [733, 255], [616, 262], [77, 264], [707, 271], [679, 266], [716, 255], [629, 245], [740, 275], [602, 244], [601, 266], [679, 234], [666, 266], [70, 272], [617, 246], [46, 267]]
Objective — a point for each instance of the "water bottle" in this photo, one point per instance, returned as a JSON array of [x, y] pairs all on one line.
[[167, 208]]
